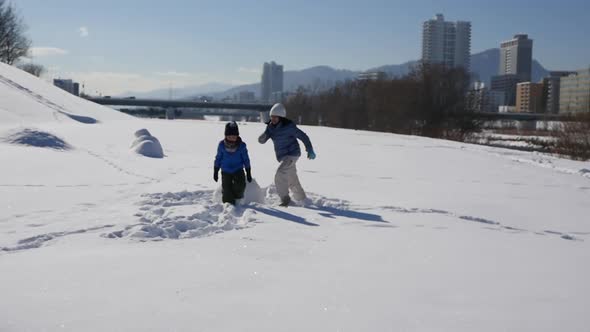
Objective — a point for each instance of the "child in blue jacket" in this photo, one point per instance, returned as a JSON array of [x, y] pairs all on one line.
[[232, 158]]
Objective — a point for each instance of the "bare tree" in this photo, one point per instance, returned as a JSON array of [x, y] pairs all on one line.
[[14, 44], [573, 138], [429, 101], [33, 68]]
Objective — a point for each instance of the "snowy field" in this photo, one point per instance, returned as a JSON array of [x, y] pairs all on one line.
[[400, 233]]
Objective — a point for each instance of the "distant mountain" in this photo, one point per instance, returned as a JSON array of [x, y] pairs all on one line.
[[484, 65], [319, 77], [396, 70], [220, 94], [316, 76], [181, 93]]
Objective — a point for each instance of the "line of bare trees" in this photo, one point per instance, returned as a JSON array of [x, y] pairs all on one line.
[[573, 139], [429, 101]]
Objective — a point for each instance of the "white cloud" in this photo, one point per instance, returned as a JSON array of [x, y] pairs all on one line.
[[249, 70], [47, 51], [83, 32], [173, 74]]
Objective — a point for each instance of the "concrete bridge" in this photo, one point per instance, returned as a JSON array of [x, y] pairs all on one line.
[[206, 108], [241, 109]]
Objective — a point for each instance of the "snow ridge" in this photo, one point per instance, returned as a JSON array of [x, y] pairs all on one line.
[[46, 102]]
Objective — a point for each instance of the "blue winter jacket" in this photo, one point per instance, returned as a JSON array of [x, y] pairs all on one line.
[[232, 161], [284, 136]]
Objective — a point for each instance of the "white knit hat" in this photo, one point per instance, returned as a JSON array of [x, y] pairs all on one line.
[[278, 110]]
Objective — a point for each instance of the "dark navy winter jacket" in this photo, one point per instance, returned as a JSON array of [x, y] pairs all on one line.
[[232, 161], [284, 136]]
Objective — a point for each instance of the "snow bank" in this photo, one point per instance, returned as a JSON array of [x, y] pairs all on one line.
[[37, 138], [404, 209], [147, 145], [26, 99]]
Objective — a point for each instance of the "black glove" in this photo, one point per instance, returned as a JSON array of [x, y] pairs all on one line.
[[249, 174], [216, 174]]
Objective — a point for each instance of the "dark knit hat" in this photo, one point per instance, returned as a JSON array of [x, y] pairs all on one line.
[[231, 128]]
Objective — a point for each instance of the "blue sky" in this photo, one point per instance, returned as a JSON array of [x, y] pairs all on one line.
[[139, 45]]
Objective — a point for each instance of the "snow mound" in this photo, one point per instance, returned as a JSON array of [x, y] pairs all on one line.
[[25, 98], [147, 145], [39, 139]]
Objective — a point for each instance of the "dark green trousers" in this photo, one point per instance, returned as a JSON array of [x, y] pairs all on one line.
[[233, 186]]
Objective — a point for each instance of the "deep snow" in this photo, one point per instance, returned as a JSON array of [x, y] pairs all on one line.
[[399, 234]]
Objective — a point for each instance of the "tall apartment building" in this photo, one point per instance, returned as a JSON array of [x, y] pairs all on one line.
[[482, 99], [529, 97], [272, 81], [574, 92], [516, 57], [447, 43], [551, 87], [506, 85]]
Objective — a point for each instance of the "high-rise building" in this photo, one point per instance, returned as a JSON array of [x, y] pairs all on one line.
[[529, 97], [496, 99], [551, 87], [481, 99], [516, 57], [272, 81], [447, 43], [574, 92], [506, 84], [477, 98]]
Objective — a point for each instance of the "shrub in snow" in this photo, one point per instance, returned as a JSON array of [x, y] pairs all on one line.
[[574, 137], [147, 145], [37, 138]]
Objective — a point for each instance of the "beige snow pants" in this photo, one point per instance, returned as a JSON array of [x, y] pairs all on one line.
[[286, 178]]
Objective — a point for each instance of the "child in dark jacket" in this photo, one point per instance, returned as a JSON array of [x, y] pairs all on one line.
[[232, 158]]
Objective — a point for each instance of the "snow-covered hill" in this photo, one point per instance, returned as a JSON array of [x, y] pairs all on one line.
[[25, 99], [400, 234]]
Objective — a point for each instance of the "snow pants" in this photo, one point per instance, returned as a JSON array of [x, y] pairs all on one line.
[[286, 178], [233, 186]]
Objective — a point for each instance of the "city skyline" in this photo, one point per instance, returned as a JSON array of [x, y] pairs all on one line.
[[123, 50]]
